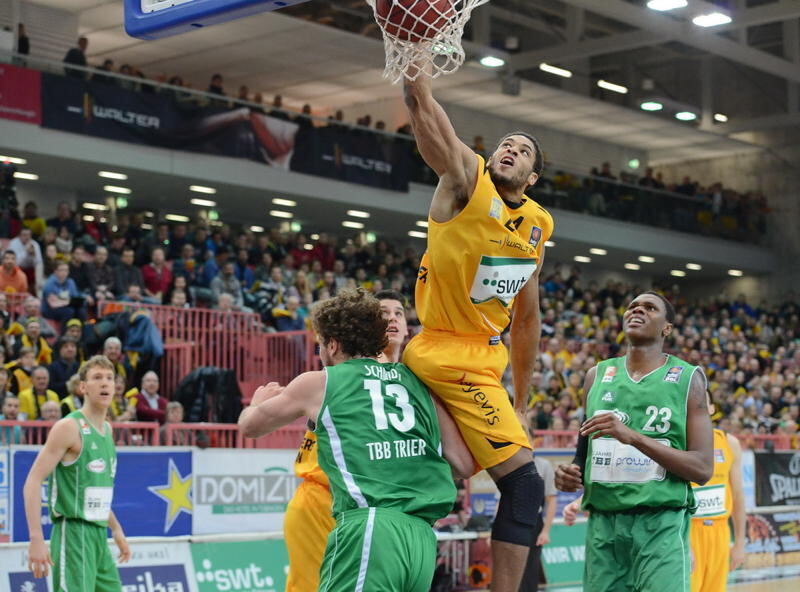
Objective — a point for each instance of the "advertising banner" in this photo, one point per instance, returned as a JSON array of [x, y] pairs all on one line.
[[563, 557], [152, 492], [5, 493], [242, 490], [778, 478], [252, 566], [773, 539], [20, 94]]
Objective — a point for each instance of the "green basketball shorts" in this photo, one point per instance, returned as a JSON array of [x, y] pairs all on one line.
[[376, 549], [643, 550], [82, 561]]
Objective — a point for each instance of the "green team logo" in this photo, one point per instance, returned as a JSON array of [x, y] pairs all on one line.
[[500, 278]]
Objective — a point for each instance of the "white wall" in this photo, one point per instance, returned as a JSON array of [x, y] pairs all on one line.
[[45, 196], [51, 31]]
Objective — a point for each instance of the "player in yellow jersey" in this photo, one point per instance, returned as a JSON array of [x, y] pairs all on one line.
[[718, 500], [485, 250], [308, 520]]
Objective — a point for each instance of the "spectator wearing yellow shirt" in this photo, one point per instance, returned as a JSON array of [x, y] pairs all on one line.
[[32, 220], [32, 399], [20, 370]]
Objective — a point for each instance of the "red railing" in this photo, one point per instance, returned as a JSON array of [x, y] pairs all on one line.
[[131, 433]]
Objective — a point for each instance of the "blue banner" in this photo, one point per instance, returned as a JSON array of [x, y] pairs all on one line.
[[152, 493], [154, 578]]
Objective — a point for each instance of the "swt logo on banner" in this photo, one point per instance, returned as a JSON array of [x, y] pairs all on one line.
[[258, 566], [154, 578]]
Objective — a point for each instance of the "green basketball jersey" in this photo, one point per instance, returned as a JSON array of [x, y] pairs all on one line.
[[378, 440], [618, 476], [83, 488]]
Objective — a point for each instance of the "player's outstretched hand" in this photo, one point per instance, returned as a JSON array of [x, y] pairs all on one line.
[[122, 545], [608, 424], [39, 561], [266, 391], [569, 478], [571, 512], [737, 556]]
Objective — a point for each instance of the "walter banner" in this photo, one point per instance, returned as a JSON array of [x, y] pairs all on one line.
[[777, 478]]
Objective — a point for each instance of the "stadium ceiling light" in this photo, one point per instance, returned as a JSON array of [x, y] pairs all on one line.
[[295, 226], [417, 234], [735, 272], [582, 259], [549, 244], [686, 116], [13, 160], [597, 251], [555, 70], [422, 223], [206, 203], [720, 118], [115, 189], [147, 226], [177, 218], [358, 214], [280, 214], [651, 106], [677, 273], [315, 236], [279, 201], [202, 189], [492, 62], [617, 88], [633, 266], [257, 229], [113, 175], [88, 218], [664, 5], [694, 266], [647, 259], [308, 247], [26, 176], [351, 224], [95, 206], [713, 19]]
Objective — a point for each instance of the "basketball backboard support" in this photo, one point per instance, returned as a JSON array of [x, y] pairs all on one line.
[[153, 19]]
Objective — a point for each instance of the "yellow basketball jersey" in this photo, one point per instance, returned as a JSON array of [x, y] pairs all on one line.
[[715, 498], [479, 261], [306, 465]]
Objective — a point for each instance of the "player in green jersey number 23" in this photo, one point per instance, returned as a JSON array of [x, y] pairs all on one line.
[[79, 455], [381, 445], [647, 437]]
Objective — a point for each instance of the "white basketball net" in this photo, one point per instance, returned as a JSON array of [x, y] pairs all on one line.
[[426, 39]]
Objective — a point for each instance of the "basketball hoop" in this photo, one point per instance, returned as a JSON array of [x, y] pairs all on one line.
[[422, 37]]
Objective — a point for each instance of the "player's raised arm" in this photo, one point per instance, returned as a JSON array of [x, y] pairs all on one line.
[[63, 436], [274, 406]]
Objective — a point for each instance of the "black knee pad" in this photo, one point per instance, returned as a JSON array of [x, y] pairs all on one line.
[[521, 496]]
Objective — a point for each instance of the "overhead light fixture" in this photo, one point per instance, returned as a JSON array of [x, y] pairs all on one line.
[[257, 229], [308, 247], [206, 203], [112, 175], [651, 106], [417, 234], [582, 259], [279, 201], [315, 236], [177, 218], [713, 19], [735, 272], [202, 189], [422, 223], [677, 273], [720, 118], [555, 70], [686, 116], [634, 164], [88, 218], [633, 266], [95, 206], [295, 226], [549, 244], [358, 214], [26, 176], [351, 224], [13, 159], [617, 88], [597, 251], [280, 214], [647, 259], [492, 62], [122, 203], [213, 215], [115, 189], [664, 5], [146, 226], [694, 266], [371, 237]]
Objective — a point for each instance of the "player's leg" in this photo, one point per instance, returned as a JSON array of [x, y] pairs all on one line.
[[74, 568], [607, 562], [530, 576], [661, 550], [699, 546], [306, 527], [107, 578], [711, 543]]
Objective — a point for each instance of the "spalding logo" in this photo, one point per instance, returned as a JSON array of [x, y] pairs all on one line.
[[97, 466]]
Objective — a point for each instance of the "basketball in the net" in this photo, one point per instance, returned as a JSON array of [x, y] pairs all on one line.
[[414, 20]]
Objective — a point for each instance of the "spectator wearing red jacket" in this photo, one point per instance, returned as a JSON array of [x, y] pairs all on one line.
[[156, 275], [150, 406]]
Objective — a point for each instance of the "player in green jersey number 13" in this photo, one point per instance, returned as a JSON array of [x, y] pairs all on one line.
[[80, 457], [647, 437], [380, 444]]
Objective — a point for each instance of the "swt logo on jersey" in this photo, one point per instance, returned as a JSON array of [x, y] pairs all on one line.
[[500, 278]]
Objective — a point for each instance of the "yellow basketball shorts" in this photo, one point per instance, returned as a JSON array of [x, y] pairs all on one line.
[[465, 373], [711, 543], [306, 526]]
